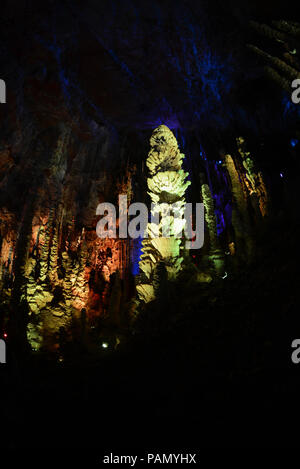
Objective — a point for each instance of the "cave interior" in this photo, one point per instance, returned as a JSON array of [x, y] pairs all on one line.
[[152, 343]]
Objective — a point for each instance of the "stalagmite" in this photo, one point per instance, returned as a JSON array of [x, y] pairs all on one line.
[[67, 264], [54, 257], [240, 217], [167, 185], [81, 288], [46, 248], [215, 253], [254, 179]]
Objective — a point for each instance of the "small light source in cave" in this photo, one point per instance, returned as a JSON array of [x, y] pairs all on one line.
[[5, 335], [281, 175], [294, 142], [104, 345]]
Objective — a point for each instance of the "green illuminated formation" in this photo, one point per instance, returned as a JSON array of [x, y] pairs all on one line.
[[254, 180], [167, 185], [216, 255]]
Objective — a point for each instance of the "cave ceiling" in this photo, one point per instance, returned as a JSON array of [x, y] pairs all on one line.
[[135, 65]]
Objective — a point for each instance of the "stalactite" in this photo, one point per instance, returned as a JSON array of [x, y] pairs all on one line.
[[289, 27], [167, 185], [269, 32], [280, 64], [285, 37], [284, 83]]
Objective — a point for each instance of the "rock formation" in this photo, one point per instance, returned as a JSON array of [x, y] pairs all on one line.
[[254, 180], [216, 254], [167, 185]]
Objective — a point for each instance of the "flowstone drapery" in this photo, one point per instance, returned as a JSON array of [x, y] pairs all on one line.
[[167, 185]]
